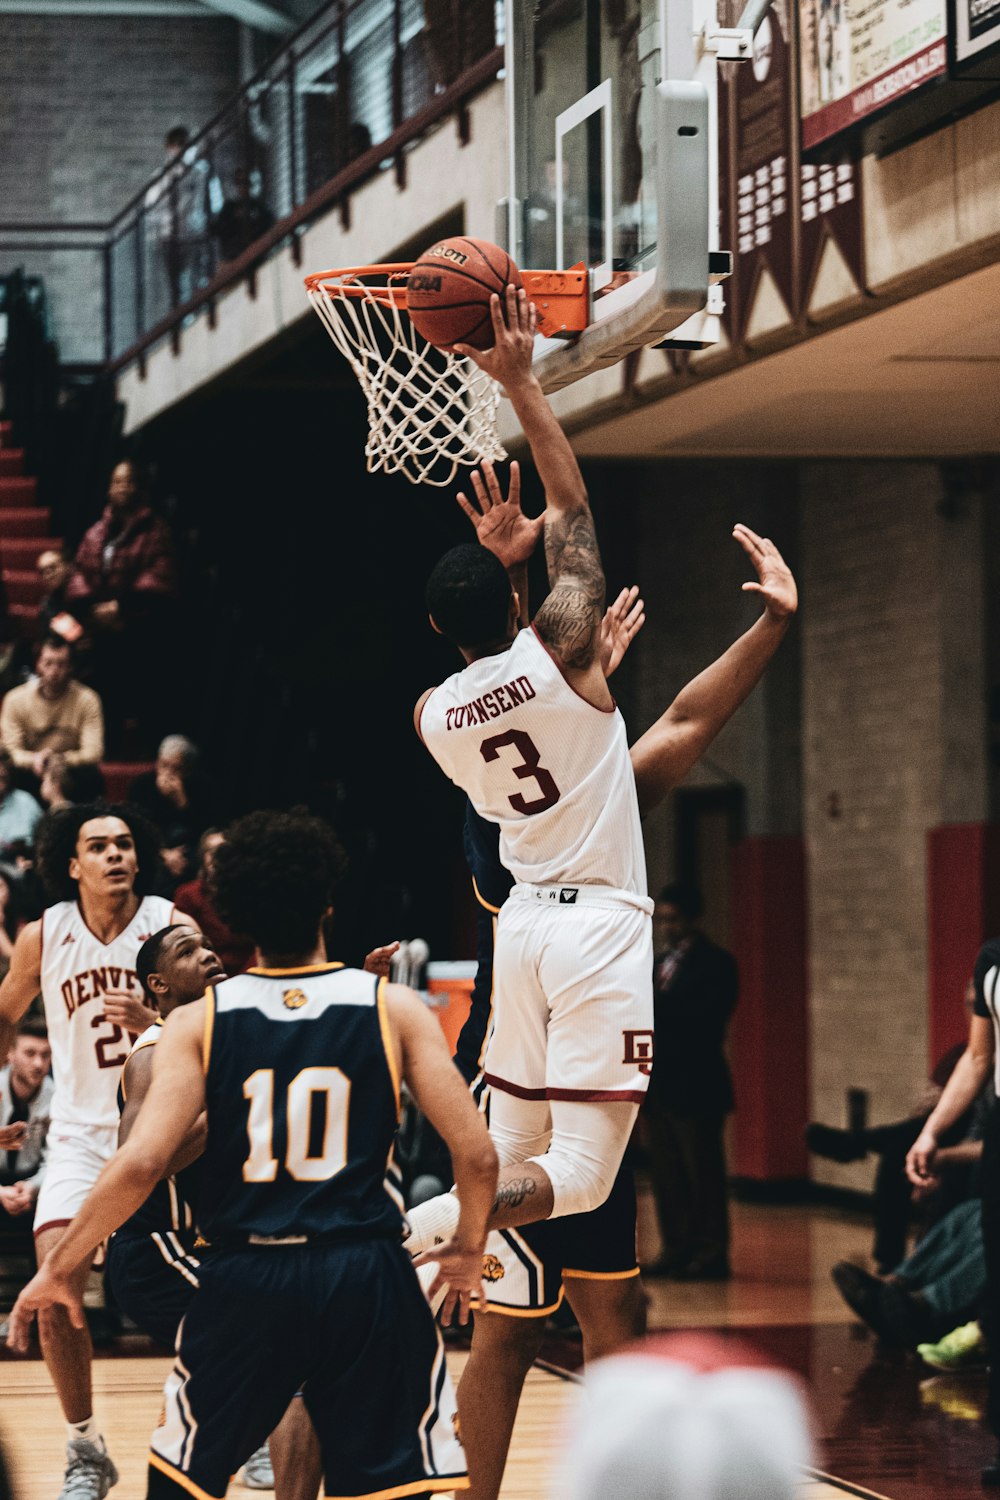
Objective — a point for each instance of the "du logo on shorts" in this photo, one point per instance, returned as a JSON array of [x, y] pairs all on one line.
[[638, 1050], [493, 1269]]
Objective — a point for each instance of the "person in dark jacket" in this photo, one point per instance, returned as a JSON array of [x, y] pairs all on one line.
[[122, 589], [690, 1090]]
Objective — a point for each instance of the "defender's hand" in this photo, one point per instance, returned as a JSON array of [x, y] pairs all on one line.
[[43, 1291], [621, 624], [126, 1011], [509, 361], [776, 585], [461, 1271], [500, 524], [379, 960]]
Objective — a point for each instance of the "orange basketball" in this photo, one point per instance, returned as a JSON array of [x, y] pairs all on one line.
[[449, 288]]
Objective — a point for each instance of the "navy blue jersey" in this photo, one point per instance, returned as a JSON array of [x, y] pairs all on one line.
[[491, 882], [303, 1103], [168, 1209]]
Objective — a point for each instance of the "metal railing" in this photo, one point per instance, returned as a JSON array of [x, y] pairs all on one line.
[[342, 101]]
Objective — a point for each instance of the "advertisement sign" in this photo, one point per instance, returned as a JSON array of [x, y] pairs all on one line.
[[975, 37], [858, 57]]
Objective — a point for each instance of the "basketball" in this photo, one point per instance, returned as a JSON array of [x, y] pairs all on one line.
[[448, 291]]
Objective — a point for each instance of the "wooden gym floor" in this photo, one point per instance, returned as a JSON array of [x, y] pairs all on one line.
[[888, 1427]]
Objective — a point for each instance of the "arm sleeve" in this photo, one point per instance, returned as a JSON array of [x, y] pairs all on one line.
[[91, 748], [12, 733], [156, 571]]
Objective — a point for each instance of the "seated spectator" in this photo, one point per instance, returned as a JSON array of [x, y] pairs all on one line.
[[122, 589], [54, 616], [20, 814], [26, 1090], [940, 1285], [177, 800], [52, 715], [235, 953], [242, 219], [893, 1193]]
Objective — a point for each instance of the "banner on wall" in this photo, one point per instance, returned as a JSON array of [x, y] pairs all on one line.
[[858, 57], [974, 34]]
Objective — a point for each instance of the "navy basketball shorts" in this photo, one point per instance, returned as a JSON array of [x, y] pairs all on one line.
[[152, 1279], [348, 1324], [525, 1270]]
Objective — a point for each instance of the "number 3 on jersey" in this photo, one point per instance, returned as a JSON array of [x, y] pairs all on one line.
[[303, 1093], [527, 768]]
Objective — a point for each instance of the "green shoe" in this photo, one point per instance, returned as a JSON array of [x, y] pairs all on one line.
[[962, 1349]]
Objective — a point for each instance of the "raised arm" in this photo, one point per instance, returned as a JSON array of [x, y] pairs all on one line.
[[671, 746], [22, 982], [569, 620]]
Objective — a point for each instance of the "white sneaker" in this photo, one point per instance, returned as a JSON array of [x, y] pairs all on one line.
[[257, 1471], [89, 1471]]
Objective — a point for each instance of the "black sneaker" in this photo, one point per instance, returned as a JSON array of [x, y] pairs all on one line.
[[907, 1317], [863, 1294], [834, 1144]]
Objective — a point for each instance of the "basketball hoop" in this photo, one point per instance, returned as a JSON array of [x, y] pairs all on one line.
[[429, 412]]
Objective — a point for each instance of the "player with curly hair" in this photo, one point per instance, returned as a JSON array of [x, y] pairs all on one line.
[[298, 1064], [98, 862]]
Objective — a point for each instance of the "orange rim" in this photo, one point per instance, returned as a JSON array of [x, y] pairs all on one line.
[[349, 281]]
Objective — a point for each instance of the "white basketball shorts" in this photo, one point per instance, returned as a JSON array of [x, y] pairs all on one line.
[[76, 1156], [573, 995]]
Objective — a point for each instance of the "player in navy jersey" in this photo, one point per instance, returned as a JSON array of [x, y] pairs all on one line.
[[298, 1064]]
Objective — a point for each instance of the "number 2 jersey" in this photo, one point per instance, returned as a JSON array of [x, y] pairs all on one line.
[[541, 761], [78, 971], [303, 1103]]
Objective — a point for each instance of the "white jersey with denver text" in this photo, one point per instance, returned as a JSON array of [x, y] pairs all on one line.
[[78, 971], [551, 769]]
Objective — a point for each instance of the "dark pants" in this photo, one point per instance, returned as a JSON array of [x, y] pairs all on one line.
[[687, 1162], [893, 1191], [991, 1245]]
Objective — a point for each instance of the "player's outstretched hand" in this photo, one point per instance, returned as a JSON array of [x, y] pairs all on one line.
[[43, 1291], [500, 524], [124, 1010], [515, 323], [12, 1136], [621, 624], [379, 960], [775, 585], [461, 1271]]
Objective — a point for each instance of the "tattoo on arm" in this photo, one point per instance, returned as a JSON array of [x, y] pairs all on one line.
[[569, 620], [513, 1194]]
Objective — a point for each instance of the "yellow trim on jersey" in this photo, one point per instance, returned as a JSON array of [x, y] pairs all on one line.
[[482, 899], [520, 1312], [386, 1030], [602, 1275], [175, 1474], [206, 1045], [417, 1487], [285, 973], [140, 1046]]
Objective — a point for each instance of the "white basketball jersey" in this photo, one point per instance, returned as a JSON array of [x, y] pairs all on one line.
[[78, 971], [554, 771]]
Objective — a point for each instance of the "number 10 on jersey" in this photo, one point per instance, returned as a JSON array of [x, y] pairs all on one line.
[[301, 1098]]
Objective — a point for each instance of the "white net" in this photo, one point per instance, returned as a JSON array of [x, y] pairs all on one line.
[[429, 412]]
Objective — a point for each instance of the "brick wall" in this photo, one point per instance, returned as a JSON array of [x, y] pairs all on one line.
[[893, 745], [84, 105]]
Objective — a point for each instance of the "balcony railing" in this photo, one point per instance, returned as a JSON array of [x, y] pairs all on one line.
[[344, 100]]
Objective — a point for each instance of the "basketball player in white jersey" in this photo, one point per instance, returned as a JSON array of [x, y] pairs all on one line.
[[81, 956], [531, 733]]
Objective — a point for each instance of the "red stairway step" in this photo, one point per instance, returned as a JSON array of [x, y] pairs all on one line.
[[22, 552], [23, 586], [11, 463], [5, 431], [27, 520], [18, 492]]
